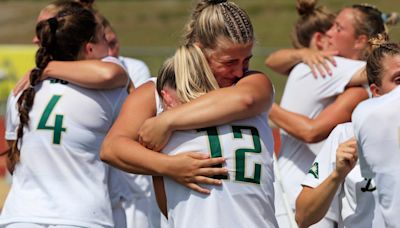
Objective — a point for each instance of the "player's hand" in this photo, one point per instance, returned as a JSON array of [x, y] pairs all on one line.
[[22, 84], [318, 61], [346, 157], [192, 169], [154, 133]]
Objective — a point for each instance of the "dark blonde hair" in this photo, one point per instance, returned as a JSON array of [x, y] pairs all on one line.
[[215, 19], [381, 48], [312, 19]]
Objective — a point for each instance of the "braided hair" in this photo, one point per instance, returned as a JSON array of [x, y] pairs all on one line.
[[61, 38], [381, 48], [214, 19]]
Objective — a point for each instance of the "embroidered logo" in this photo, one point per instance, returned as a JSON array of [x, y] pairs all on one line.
[[314, 170]]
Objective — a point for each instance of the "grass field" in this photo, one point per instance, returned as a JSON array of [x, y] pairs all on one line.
[[150, 29]]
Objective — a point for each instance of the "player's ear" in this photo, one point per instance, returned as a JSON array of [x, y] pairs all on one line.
[[375, 90], [88, 49], [167, 99]]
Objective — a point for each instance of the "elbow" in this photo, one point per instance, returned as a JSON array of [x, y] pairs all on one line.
[[114, 75], [301, 216], [300, 219], [247, 103], [267, 62], [311, 135], [105, 153]]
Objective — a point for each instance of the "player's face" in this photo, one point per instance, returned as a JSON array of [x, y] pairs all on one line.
[[113, 44], [390, 75], [43, 15], [229, 61], [342, 36], [97, 49]]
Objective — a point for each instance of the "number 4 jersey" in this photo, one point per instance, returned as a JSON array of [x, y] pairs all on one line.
[[60, 178], [245, 199]]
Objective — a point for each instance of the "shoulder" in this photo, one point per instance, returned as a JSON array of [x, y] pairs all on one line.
[[256, 77], [346, 61], [342, 131], [131, 62]]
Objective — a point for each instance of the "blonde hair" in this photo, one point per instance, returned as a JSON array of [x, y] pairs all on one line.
[[188, 73], [214, 19], [381, 47], [312, 19]]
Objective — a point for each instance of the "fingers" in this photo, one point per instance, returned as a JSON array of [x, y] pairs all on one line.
[[212, 162], [212, 171], [331, 60], [197, 155], [207, 180], [197, 188], [320, 69]]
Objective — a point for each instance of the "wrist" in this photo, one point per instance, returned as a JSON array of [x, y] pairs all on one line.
[[47, 70], [298, 54], [166, 166], [167, 119], [337, 176]]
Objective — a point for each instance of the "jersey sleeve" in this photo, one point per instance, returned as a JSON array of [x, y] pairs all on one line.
[[325, 161], [341, 75], [138, 71], [12, 118]]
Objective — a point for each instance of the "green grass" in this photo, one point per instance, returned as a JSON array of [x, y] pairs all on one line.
[[151, 29]]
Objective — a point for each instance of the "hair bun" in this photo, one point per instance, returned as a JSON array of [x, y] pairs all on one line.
[[391, 18], [305, 7], [378, 40], [214, 2]]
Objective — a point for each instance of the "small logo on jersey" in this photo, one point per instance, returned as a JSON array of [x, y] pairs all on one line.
[[314, 170], [369, 186]]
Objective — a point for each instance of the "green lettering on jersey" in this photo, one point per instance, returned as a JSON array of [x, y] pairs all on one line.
[[57, 128], [314, 170], [241, 155], [215, 146]]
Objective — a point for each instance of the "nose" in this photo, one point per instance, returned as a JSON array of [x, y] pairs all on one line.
[[330, 32], [238, 71], [35, 40]]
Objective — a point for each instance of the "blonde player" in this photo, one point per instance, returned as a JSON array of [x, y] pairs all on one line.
[[376, 127], [225, 34], [56, 149], [314, 95], [245, 198]]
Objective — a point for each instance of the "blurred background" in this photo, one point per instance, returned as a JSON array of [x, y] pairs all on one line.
[[150, 30]]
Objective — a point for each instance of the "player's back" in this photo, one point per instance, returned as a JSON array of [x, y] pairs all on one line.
[[245, 199], [377, 129], [60, 174], [308, 96]]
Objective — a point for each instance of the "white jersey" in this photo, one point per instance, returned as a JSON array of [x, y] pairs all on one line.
[[60, 178], [377, 129], [353, 204], [137, 70], [308, 96], [246, 196]]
